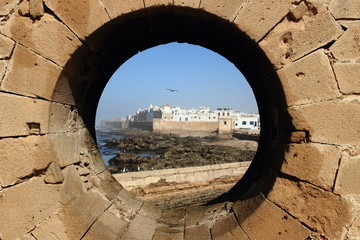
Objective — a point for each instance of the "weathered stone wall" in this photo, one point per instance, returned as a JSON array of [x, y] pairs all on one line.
[[300, 57], [163, 126], [141, 125]]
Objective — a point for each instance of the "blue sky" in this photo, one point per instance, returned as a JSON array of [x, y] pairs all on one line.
[[203, 78]]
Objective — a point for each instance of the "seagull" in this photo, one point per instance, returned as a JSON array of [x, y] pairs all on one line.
[[172, 90]]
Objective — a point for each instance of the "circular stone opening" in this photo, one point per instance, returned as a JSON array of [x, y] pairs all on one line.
[[182, 130]]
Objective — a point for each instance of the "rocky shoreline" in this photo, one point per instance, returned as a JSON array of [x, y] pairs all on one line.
[[153, 151]]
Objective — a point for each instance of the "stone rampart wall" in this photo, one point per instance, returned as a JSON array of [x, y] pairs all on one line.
[[163, 126]]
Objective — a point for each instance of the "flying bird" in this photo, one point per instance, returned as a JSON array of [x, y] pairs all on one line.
[[172, 90]]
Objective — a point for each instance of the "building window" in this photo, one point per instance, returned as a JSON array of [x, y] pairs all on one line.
[[236, 124], [180, 119], [251, 122], [223, 114], [186, 119], [243, 122], [219, 114], [224, 122], [228, 114]]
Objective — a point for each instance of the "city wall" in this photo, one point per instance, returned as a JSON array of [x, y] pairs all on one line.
[[301, 58], [141, 125], [164, 126]]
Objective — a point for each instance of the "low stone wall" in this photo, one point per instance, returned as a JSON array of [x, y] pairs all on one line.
[[183, 186], [141, 125], [164, 126]]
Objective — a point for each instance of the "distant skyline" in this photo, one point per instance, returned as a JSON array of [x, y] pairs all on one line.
[[202, 77]]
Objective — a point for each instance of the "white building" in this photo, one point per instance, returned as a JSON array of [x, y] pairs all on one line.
[[202, 114]]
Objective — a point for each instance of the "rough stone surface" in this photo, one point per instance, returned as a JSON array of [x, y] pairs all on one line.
[[168, 233], [25, 205], [7, 6], [257, 18], [354, 231], [345, 9], [108, 226], [76, 15], [315, 163], [73, 185], [83, 212], [154, 3], [141, 228], [227, 229], [311, 79], [267, 221], [6, 46], [227, 9], [333, 121], [348, 83], [298, 11], [348, 179], [348, 45], [199, 232], [54, 174], [36, 8], [51, 229], [328, 213], [48, 37], [291, 40], [31, 74], [107, 184], [116, 8], [187, 3]]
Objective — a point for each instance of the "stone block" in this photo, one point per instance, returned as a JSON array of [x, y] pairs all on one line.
[[166, 233], [347, 46], [6, 47], [116, 8], [36, 8], [194, 215], [48, 37], [108, 226], [198, 232], [187, 3], [347, 75], [311, 79], [65, 148], [54, 174], [81, 213], [328, 213], [291, 40], [257, 18], [227, 228], [73, 186], [83, 17], [298, 11], [154, 3], [223, 8], [149, 210], [107, 184], [3, 69], [315, 163], [347, 9], [25, 205], [51, 229], [6, 6], [298, 137], [334, 122], [29, 74], [354, 231], [261, 219], [141, 228], [348, 179], [128, 206]]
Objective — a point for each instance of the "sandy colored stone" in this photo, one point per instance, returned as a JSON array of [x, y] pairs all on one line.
[[154, 3], [347, 47], [141, 228], [48, 37], [227, 9], [187, 3], [199, 232], [315, 163], [3, 69], [335, 121], [25, 205], [227, 228], [81, 213], [6, 6], [298, 137], [298, 11], [348, 178], [354, 231], [36, 8], [168, 233], [107, 184], [291, 40], [311, 79], [51, 229], [117, 8], [108, 226], [30, 74], [128, 206], [6, 46], [325, 211], [72, 186], [348, 77], [261, 219], [149, 210], [54, 174], [257, 18], [83, 17], [345, 9]]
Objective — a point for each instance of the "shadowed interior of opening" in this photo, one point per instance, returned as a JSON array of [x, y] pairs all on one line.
[[181, 109]]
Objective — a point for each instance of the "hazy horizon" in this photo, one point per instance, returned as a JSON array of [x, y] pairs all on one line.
[[202, 77]]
